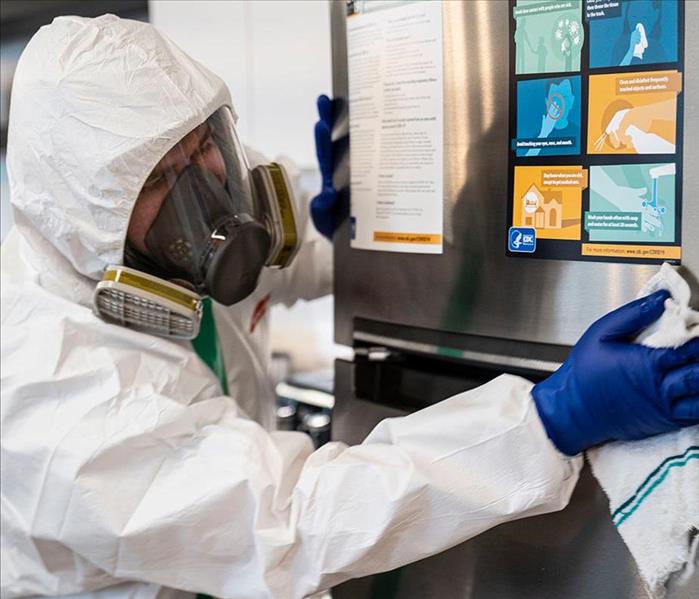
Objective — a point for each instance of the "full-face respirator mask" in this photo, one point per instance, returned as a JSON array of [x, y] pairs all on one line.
[[218, 224]]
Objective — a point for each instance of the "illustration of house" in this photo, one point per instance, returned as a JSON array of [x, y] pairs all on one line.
[[539, 212]]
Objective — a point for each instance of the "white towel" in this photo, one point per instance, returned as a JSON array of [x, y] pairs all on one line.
[[653, 485]]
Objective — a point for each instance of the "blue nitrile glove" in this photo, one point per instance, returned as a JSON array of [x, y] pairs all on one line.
[[611, 388], [324, 206]]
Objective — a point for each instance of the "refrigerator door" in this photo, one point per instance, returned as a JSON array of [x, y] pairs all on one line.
[[452, 321], [473, 288]]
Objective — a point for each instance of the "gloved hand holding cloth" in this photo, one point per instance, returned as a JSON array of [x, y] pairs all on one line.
[[611, 388], [647, 354]]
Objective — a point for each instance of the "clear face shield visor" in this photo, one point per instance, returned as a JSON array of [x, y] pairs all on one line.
[[203, 223]]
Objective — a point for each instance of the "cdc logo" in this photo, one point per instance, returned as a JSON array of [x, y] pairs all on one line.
[[522, 239]]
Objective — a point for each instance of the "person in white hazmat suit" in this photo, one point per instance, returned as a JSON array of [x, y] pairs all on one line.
[[127, 469]]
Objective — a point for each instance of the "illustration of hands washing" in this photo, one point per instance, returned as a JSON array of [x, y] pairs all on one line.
[[633, 199], [651, 212]]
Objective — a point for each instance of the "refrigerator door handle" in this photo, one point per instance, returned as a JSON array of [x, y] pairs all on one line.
[[473, 356]]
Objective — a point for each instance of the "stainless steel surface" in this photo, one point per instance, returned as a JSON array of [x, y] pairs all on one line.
[[572, 554], [473, 287], [475, 291], [470, 356]]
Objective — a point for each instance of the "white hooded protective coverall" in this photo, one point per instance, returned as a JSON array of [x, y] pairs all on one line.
[[125, 471]]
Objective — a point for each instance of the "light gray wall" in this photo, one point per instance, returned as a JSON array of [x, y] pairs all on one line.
[[274, 56]]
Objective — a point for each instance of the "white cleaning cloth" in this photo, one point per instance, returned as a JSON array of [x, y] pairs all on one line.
[[653, 485]]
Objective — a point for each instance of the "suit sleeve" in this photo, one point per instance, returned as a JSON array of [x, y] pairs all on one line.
[[199, 498]]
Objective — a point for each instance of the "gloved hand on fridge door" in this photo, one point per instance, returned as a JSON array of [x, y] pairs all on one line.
[[611, 388], [324, 206]]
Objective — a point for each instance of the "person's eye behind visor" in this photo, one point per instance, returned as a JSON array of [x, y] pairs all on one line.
[[195, 219]]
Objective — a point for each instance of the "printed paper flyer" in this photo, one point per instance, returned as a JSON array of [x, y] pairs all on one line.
[[396, 125]]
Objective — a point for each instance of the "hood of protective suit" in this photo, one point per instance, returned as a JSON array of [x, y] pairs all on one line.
[[96, 103]]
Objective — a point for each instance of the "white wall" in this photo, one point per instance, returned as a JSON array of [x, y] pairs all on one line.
[[273, 54]]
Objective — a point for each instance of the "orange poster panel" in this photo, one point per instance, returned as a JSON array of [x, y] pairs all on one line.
[[549, 199]]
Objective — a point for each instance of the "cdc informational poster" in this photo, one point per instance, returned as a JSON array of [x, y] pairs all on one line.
[[596, 105]]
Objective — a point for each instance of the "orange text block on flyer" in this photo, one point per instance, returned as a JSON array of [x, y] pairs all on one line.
[[652, 252], [559, 177], [416, 238]]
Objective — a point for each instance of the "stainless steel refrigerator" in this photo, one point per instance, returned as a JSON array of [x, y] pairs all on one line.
[[425, 327]]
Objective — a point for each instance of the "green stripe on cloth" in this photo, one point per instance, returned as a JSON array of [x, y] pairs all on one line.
[[651, 482], [208, 346]]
